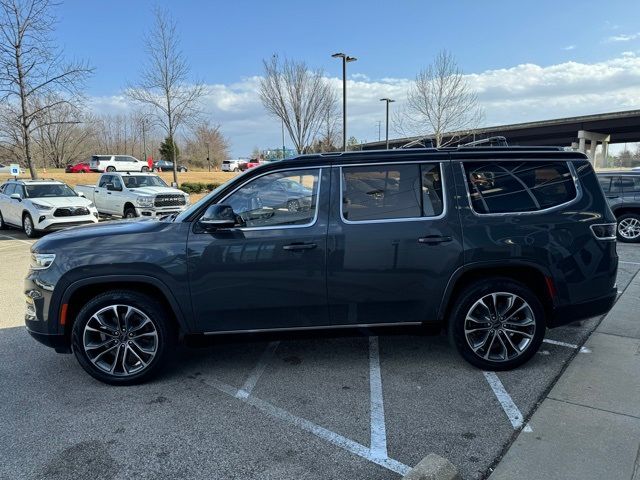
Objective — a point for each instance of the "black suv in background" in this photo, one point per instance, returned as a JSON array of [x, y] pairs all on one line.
[[494, 243], [622, 190]]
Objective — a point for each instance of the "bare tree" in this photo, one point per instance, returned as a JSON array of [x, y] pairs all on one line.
[[207, 141], [32, 69], [440, 102], [298, 96], [164, 86]]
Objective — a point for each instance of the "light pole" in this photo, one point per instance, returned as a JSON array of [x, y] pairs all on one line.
[[345, 59], [144, 138], [388, 101], [208, 161], [284, 153]]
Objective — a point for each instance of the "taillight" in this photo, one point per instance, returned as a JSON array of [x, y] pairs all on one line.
[[604, 231]]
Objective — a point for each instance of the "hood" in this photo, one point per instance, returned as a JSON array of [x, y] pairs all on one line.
[[61, 201], [156, 190]]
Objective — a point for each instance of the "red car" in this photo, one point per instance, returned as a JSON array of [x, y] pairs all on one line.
[[82, 167]]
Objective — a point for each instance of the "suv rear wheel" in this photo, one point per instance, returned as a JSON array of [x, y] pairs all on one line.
[[497, 324], [629, 228], [111, 169], [122, 337]]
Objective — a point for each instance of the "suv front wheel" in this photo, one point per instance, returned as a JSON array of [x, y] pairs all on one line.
[[497, 324], [122, 337]]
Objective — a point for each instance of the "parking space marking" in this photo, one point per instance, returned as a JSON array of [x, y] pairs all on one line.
[[565, 344], [378, 429], [509, 407], [629, 263], [9, 237], [252, 380], [320, 432]]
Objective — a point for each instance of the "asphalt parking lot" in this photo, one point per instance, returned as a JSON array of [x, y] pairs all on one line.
[[362, 407]]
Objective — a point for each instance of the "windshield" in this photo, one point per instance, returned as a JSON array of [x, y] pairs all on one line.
[[203, 200], [137, 181], [49, 190]]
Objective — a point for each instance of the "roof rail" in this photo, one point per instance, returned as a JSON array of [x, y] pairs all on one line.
[[495, 141], [419, 143]]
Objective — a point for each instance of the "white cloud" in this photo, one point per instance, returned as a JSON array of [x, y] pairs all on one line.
[[521, 93], [623, 37], [569, 47]]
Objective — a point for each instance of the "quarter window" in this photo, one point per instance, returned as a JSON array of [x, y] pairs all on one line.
[[391, 192], [277, 199], [518, 186], [605, 183]]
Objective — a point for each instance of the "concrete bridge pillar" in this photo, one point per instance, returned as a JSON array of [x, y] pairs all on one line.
[[593, 138]]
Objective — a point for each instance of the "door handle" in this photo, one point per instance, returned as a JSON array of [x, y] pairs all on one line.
[[434, 239], [299, 246], [108, 193], [96, 191]]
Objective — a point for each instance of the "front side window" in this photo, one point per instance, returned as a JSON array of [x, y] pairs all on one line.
[[277, 199], [518, 186], [9, 189], [391, 192]]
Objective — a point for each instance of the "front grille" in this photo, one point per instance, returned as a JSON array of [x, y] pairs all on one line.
[[70, 212], [170, 201]]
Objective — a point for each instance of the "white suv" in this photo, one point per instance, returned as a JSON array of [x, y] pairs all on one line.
[[117, 163], [42, 206], [233, 165]]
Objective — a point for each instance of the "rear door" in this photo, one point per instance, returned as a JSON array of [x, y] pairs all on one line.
[[394, 241]]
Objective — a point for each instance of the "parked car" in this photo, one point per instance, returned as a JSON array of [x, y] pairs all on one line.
[[117, 163], [496, 244], [134, 195], [6, 169], [81, 167], [167, 166], [233, 165], [622, 190], [38, 206]]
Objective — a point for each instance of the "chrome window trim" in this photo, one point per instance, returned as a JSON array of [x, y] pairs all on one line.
[[574, 176], [306, 225], [393, 220]]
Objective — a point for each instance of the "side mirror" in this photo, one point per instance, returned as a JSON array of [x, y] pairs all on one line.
[[80, 194], [16, 196], [218, 216]]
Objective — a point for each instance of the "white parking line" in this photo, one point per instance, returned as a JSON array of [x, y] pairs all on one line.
[[509, 407], [321, 432], [378, 429], [568, 345], [9, 237], [251, 381], [629, 263]]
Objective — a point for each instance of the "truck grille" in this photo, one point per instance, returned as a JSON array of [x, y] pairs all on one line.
[[169, 201], [70, 212]]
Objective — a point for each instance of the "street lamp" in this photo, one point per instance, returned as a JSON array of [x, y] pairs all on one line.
[[345, 59], [208, 161], [388, 101]]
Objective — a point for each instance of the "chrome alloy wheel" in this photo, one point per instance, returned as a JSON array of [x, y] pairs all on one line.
[[499, 327], [120, 340], [629, 228]]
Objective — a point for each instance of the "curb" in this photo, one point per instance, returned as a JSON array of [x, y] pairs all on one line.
[[433, 467]]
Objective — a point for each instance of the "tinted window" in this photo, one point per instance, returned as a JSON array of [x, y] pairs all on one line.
[[605, 183], [122, 159], [380, 192], [9, 189], [630, 184], [515, 186], [277, 199]]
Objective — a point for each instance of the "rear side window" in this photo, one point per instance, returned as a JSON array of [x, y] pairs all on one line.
[[391, 192], [605, 183], [514, 186]]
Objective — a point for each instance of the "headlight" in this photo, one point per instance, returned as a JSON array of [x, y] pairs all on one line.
[[91, 205], [41, 261], [40, 206], [144, 201]]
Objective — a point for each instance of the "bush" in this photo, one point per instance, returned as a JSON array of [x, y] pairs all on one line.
[[198, 187]]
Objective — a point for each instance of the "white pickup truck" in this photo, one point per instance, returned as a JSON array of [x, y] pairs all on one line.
[[134, 195]]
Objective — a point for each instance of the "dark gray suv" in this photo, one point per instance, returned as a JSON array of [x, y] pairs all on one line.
[[495, 244], [622, 190]]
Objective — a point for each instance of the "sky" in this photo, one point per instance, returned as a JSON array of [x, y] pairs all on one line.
[[527, 60]]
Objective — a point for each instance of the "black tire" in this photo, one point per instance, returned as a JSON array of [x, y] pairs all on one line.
[[470, 297], [111, 169], [161, 325], [2, 224], [144, 169], [630, 222], [182, 169], [130, 212], [28, 226], [236, 169]]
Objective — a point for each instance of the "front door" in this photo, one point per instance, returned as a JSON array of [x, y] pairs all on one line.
[[270, 271], [394, 241]]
